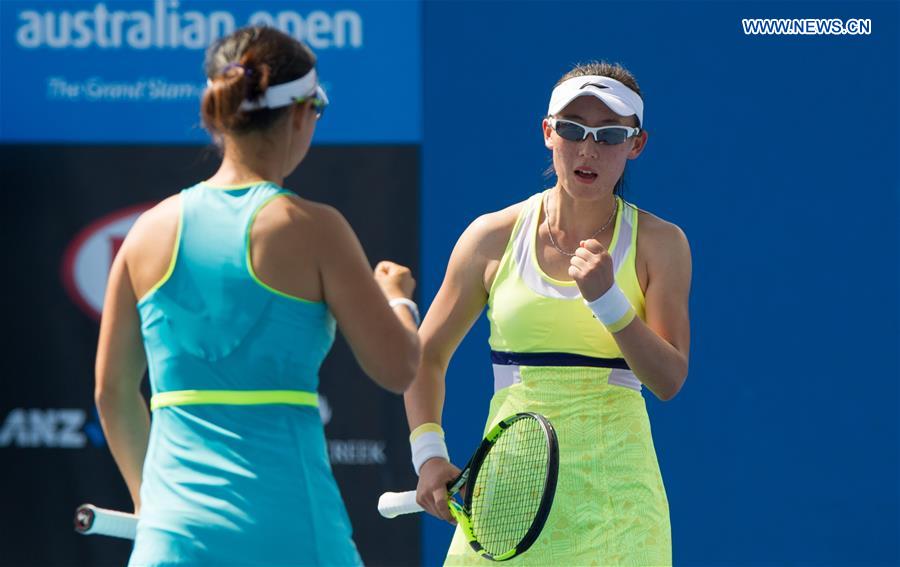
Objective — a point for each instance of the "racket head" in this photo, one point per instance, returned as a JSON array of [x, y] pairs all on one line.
[[510, 486]]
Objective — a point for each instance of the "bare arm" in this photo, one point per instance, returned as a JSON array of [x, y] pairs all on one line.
[[656, 351], [120, 367], [383, 339], [455, 309]]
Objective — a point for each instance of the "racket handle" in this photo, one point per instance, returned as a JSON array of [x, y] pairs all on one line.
[[393, 504], [90, 520]]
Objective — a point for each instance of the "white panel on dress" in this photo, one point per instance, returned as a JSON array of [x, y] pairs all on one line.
[[626, 378], [505, 375]]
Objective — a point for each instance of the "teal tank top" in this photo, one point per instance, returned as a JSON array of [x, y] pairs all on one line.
[[237, 469]]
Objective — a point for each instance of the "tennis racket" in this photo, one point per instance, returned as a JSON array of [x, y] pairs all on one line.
[[90, 520], [510, 482]]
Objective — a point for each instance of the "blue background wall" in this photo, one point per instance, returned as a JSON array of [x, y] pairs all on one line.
[[778, 156]]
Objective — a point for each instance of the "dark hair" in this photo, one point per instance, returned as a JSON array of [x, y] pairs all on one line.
[[240, 67], [603, 69]]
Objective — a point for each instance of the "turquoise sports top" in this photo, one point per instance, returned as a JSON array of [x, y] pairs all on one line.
[[211, 324], [237, 469]]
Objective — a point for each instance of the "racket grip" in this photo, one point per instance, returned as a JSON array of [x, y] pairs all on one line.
[[393, 504], [90, 520]]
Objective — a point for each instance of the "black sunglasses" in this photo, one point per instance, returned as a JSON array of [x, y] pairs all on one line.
[[575, 132]]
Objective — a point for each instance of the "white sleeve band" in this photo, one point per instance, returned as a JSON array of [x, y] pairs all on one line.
[[426, 446], [410, 304], [611, 306]]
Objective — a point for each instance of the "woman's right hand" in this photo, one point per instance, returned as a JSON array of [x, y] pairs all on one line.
[[431, 493], [394, 279]]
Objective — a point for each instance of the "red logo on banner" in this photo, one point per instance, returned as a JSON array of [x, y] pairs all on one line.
[[87, 260]]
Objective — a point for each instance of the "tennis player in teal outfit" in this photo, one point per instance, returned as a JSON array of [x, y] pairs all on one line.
[[229, 293]]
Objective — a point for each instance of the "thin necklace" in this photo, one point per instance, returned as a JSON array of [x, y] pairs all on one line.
[[612, 215]]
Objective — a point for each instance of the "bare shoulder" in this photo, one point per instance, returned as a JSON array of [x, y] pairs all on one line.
[[162, 216], [661, 241], [150, 243], [293, 209], [301, 219], [155, 230], [488, 234], [478, 251], [293, 239]]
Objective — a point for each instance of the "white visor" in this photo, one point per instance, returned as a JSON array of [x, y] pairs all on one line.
[[285, 94], [619, 98]]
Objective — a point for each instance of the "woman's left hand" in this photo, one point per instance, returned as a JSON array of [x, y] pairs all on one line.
[[592, 269]]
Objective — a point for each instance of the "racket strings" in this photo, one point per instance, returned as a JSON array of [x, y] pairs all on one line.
[[509, 487]]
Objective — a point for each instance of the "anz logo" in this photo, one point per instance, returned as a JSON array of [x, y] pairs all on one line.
[[66, 428], [70, 428]]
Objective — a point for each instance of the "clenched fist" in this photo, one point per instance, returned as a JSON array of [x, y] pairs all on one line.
[[592, 269], [395, 280]]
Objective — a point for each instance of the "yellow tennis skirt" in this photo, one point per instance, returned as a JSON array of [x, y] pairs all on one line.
[[610, 507]]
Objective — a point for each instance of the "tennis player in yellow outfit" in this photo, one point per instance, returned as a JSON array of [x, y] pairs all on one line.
[[587, 300]]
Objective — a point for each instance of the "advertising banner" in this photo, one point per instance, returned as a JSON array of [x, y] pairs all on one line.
[[82, 71]]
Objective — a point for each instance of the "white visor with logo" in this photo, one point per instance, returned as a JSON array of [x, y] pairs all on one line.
[[619, 98]]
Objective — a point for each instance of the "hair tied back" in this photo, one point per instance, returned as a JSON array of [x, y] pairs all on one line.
[[247, 71]]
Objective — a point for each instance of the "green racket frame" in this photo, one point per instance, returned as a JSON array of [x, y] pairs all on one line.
[[462, 513]]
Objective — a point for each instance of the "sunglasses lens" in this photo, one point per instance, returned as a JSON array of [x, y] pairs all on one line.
[[612, 136], [569, 131]]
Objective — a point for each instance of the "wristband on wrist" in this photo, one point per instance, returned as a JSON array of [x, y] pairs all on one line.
[[427, 441], [613, 309], [410, 304]]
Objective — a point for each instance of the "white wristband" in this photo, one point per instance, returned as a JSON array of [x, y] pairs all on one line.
[[427, 442], [612, 308], [410, 304]]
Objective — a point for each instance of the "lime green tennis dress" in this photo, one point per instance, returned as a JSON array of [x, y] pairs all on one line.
[[551, 356]]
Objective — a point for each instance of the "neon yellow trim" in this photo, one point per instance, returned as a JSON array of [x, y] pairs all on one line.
[[625, 209], [233, 398], [250, 270], [426, 428], [627, 276], [505, 556], [620, 219], [620, 212], [495, 431], [462, 519], [238, 186], [631, 260], [626, 319], [174, 257]]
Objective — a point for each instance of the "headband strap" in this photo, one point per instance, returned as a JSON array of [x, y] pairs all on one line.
[[285, 94]]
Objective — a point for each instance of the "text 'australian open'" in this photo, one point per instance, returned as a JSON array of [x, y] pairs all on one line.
[[165, 27]]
